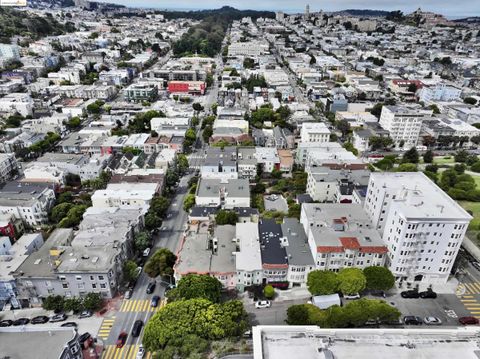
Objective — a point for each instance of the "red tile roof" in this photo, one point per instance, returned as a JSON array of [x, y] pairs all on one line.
[[329, 249], [350, 242], [372, 249]]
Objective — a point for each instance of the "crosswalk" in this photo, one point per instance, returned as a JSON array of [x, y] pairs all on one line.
[[127, 352], [140, 305], [105, 328], [467, 294]]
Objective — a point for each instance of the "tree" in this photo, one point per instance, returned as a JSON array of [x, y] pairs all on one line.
[[412, 87], [161, 263], [60, 211], [435, 109], [448, 179], [200, 317], [377, 110], [72, 180], [53, 302], [344, 127], [407, 167], [65, 197], [349, 147], [298, 315], [152, 221], [379, 278], [226, 217], [93, 301], [322, 282], [207, 133], [188, 202], [380, 142], [142, 241], [74, 122], [248, 63], [428, 156], [411, 156], [461, 156], [159, 205], [269, 292], [294, 210], [130, 272], [198, 286], [351, 280], [476, 167], [182, 163], [73, 304]]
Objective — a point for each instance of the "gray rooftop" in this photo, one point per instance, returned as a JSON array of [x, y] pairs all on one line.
[[216, 155], [298, 251], [61, 157], [210, 187], [30, 343]]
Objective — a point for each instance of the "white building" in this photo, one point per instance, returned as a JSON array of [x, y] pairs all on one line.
[[341, 236], [421, 225], [249, 48], [125, 195], [314, 132], [17, 102], [248, 259], [403, 123], [9, 52], [439, 92], [228, 194], [8, 166], [268, 158]]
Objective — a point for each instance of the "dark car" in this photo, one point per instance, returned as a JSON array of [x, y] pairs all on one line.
[[412, 320], [6, 323], [84, 337], [155, 300], [122, 338], [70, 324], [151, 287], [41, 319], [428, 294], [21, 321], [137, 328], [410, 294], [58, 318], [468, 320]]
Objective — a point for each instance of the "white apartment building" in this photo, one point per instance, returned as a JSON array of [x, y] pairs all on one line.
[[248, 259], [249, 48], [314, 132], [268, 158], [9, 52], [17, 102], [229, 194], [403, 123], [421, 225], [341, 236], [125, 195], [8, 166], [439, 92]]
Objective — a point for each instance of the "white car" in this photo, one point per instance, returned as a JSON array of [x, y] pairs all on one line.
[[141, 352], [432, 321], [146, 252], [262, 304], [352, 296]]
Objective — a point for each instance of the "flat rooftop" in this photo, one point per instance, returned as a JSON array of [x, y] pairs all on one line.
[[31, 343], [310, 342]]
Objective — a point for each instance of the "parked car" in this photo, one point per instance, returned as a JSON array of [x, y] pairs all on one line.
[[41, 319], [83, 338], [262, 304], [151, 287], [128, 294], [351, 296], [412, 320], [69, 324], [146, 252], [140, 352], [465, 320], [58, 318], [432, 321], [410, 294], [122, 338], [476, 265], [155, 301], [6, 323], [21, 321], [137, 328], [85, 314], [428, 294]]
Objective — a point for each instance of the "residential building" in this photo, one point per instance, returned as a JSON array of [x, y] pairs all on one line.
[[314, 132], [8, 166], [342, 236], [189, 87], [247, 162], [286, 161], [422, 226], [404, 124], [248, 260], [249, 48], [300, 260], [220, 163], [16, 102], [129, 195], [141, 92], [268, 158], [439, 92], [274, 255], [9, 52], [228, 194], [29, 202]]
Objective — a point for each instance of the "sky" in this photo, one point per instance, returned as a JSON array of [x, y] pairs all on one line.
[[446, 7]]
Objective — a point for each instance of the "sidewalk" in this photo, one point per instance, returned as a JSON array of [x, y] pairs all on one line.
[[471, 248]]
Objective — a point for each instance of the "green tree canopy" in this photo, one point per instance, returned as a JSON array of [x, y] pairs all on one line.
[[322, 282], [411, 156], [379, 278], [198, 286], [161, 263], [226, 217], [142, 241], [130, 272], [351, 280]]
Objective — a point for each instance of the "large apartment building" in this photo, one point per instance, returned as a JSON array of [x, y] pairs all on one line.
[[421, 225]]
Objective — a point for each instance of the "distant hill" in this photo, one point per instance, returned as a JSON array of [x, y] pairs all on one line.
[[364, 12], [469, 20], [227, 12], [20, 23]]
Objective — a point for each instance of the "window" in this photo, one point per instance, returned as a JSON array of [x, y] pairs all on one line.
[[103, 285], [64, 285], [78, 277], [101, 277]]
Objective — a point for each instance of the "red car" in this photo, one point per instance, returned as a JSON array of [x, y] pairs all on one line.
[[122, 338], [468, 320]]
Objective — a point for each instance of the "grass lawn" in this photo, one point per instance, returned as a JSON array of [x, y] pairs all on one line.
[[475, 208], [443, 160]]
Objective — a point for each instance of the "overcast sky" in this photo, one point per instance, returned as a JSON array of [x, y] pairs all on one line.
[[446, 7]]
